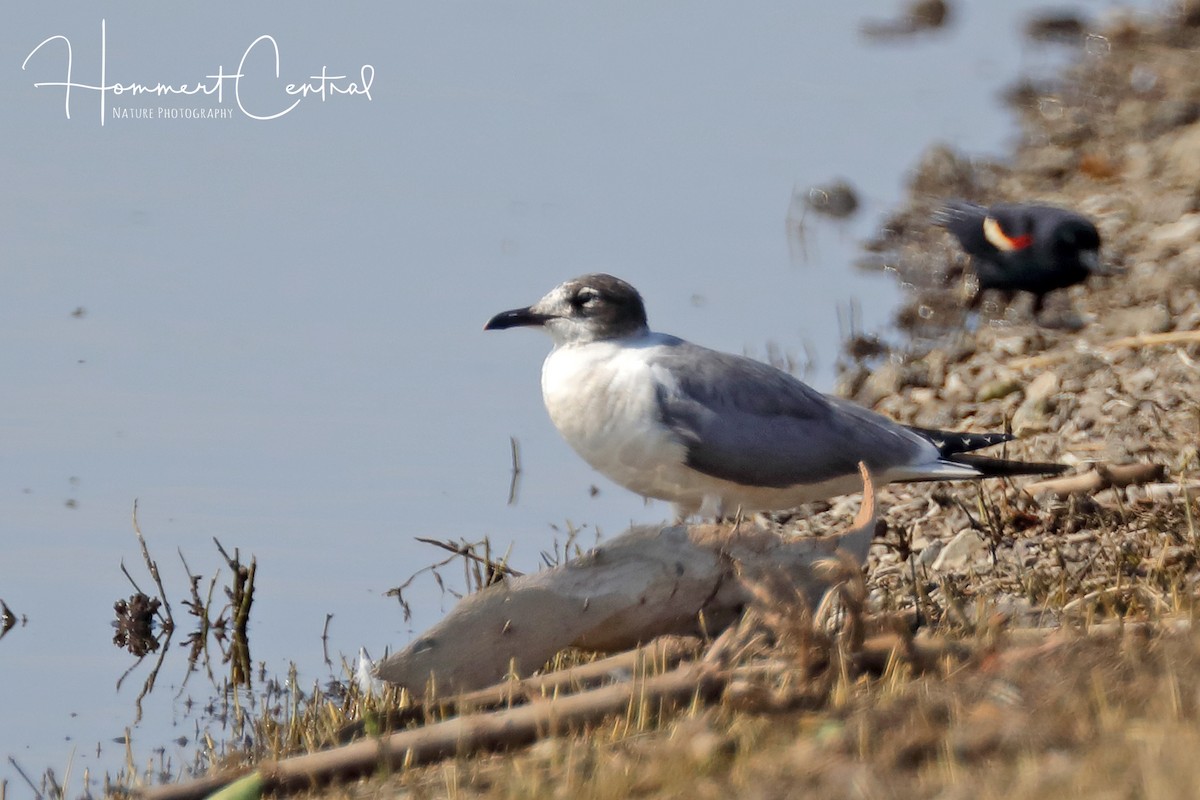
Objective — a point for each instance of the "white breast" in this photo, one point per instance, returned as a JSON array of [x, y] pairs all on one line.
[[602, 398]]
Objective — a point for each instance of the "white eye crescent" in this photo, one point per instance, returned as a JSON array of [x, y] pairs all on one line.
[[585, 297]]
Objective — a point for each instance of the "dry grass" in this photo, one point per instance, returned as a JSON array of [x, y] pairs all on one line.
[[841, 703], [1104, 716]]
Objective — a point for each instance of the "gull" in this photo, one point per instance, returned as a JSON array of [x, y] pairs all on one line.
[[715, 433]]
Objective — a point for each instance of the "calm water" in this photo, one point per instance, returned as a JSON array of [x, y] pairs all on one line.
[[269, 331]]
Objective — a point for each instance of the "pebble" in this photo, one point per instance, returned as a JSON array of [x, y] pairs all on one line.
[[960, 552], [1033, 414], [1141, 380], [929, 553], [1173, 114], [706, 745], [955, 389], [1138, 320], [1040, 390], [1181, 155], [1052, 162], [997, 389], [922, 396], [883, 382], [1167, 209], [1175, 237], [1013, 345]]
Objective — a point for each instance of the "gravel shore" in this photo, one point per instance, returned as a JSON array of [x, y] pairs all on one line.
[[1113, 379]]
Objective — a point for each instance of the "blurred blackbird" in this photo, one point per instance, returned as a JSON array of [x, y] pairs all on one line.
[[1021, 247]]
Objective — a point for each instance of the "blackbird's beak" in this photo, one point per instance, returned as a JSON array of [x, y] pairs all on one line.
[[1091, 261]]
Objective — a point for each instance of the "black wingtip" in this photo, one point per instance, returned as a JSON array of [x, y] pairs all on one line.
[[950, 443]]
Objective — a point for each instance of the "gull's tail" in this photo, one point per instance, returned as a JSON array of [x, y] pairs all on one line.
[[1003, 467], [955, 448]]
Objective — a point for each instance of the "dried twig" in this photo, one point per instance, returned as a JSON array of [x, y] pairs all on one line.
[[1124, 343], [467, 551], [464, 551], [325, 640], [1100, 478], [152, 566], [659, 655], [241, 598], [1111, 594], [516, 470], [21, 772]]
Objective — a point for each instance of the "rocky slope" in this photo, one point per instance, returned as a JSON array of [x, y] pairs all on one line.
[[1115, 379]]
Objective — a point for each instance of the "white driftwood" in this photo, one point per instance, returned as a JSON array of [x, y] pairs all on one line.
[[647, 582]]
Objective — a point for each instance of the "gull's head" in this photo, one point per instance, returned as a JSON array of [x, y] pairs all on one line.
[[586, 309]]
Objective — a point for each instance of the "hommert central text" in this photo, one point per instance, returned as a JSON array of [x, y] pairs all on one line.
[[218, 85]]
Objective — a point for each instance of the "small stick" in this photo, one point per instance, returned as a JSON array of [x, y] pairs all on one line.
[[21, 772], [516, 470], [1130, 342], [136, 588], [467, 553], [152, 566], [1152, 339], [661, 653], [1102, 477], [1110, 592], [325, 639]]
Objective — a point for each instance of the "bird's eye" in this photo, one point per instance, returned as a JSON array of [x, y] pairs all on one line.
[[585, 297]]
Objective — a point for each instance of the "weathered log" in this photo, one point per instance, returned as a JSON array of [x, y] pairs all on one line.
[[647, 582]]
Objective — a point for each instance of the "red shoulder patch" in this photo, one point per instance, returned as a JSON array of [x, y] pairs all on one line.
[[1001, 240]]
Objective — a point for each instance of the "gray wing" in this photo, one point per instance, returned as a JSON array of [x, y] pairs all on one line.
[[749, 423]]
